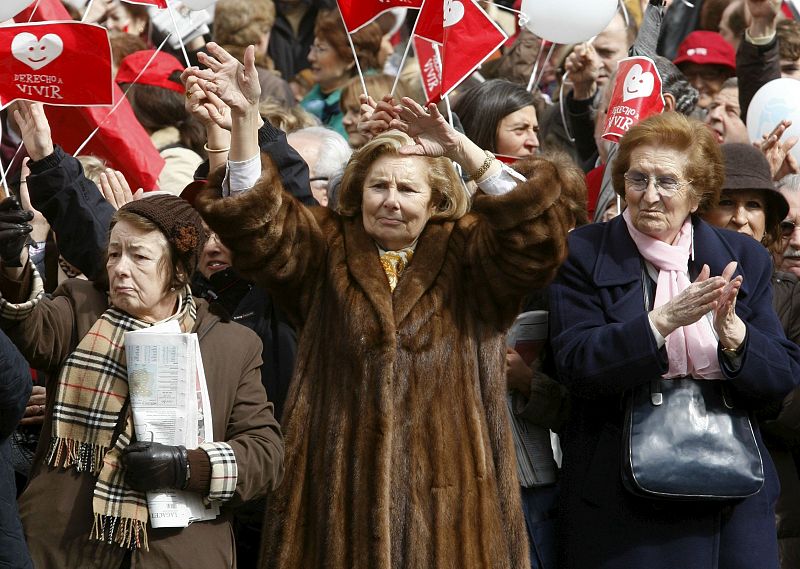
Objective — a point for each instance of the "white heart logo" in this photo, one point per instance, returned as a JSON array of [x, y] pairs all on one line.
[[453, 12], [638, 84], [36, 53]]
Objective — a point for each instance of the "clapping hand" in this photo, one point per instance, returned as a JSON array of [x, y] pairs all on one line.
[[235, 84], [728, 326], [694, 302]]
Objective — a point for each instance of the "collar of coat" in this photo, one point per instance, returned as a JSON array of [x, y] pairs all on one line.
[[619, 263], [365, 266]]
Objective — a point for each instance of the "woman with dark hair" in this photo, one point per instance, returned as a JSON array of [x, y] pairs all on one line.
[[500, 117], [157, 100], [332, 65]]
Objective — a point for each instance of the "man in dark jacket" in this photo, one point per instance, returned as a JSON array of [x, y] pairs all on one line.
[[15, 388]]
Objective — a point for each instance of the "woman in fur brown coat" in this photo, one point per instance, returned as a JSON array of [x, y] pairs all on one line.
[[398, 449]]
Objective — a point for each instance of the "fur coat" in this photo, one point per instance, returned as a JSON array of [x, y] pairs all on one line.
[[398, 448]]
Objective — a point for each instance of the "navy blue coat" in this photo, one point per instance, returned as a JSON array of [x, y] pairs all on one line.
[[604, 345], [15, 389]]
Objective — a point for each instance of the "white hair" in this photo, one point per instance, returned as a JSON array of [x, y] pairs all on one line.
[[790, 182], [334, 152]]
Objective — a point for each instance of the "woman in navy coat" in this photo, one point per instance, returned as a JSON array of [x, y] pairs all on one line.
[[606, 341]]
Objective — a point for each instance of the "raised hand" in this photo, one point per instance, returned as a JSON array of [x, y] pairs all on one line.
[[206, 107], [375, 117], [763, 16], [583, 66], [34, 128], [235, 84], [781, 161], [729, 327], [429, 129], [115, 188]]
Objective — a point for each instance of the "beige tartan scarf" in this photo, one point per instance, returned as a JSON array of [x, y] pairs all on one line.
[[91, 406]]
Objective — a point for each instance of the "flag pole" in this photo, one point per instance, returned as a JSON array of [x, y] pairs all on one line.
[[86, 11], [353, 48], [178, 33], [544, 63], [119, 102], [6, 189]]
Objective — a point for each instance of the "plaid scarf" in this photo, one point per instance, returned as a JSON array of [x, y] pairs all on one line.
[[91, 406]]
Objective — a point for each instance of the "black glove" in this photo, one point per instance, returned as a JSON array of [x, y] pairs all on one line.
[[13, 230], [153, 466]]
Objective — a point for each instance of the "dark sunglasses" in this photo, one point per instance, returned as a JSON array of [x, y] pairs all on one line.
[[788, 227]]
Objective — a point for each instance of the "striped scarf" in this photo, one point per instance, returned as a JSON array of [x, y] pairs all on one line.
[[91, 406]]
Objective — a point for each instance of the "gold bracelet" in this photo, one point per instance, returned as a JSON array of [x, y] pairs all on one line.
[[216, 150], [484, 167]]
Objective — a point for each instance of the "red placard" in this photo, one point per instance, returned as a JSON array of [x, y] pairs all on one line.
[[358, 13], [57, 63], [636, 96]]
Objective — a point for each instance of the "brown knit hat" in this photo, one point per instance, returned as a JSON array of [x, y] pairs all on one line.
[[179, 222], [746, 168]]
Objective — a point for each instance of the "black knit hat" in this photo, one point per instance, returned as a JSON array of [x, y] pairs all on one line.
[[746, 168], [179, 222]]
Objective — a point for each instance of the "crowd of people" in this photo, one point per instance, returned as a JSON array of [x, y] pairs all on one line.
[[351, 263]]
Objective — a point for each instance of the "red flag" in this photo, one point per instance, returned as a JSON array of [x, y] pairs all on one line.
[[430, 21], [156, 3], [58, 63], [429, 68], [636, 96], [358, 13], [470, 37], [121, 140]]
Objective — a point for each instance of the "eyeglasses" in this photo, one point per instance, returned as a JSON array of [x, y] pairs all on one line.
[[319, 48], [666, 186], [787, 227]]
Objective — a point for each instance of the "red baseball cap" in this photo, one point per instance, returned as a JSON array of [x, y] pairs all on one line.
[[157, 73], [706, 48]]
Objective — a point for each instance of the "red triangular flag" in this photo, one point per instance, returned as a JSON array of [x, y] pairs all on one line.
[[430, 21], [358, 13], [58, 63], [470, 37], [121, 140]]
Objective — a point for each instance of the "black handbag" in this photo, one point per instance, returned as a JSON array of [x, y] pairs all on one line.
[[684, 439]]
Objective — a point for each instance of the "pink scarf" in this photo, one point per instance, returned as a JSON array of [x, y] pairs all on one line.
[[692, 349]]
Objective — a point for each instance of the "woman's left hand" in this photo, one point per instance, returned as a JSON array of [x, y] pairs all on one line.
[[429, 129], [781, 161], [235, 84], [729, 327]]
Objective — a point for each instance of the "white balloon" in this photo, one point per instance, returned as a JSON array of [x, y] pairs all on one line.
[[199, 4], [775, 101], [10, 8], [568, 21]]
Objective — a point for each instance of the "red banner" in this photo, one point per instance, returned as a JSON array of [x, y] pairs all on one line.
[[636, 96], [429, 68], [121, 140], [430, 21], [57, 63], [358, 13]]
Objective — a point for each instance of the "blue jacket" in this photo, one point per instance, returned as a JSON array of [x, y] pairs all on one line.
[[15, 389], [604, 345]]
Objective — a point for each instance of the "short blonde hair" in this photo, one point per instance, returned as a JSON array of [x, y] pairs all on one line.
[[288, 119], [448, 194]]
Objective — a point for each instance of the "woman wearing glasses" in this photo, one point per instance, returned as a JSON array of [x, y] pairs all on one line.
[[710, 317]]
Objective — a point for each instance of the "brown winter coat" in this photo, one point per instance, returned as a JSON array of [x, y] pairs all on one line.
[[56, 508], [398, 449]]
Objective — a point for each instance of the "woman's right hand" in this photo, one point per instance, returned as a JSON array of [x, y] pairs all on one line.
[[692, 304], [205, 106], [235, 84], [34, 128]]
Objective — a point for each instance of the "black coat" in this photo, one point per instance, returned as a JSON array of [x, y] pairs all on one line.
[[604, 345], [15, 389]]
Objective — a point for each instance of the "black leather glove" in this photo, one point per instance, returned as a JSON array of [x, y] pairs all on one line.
[[13, 230], [153, 466]]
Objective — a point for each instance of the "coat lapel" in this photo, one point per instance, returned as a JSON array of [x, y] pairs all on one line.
[[619, 262], [418, 277], [712, 250], [361, 256]]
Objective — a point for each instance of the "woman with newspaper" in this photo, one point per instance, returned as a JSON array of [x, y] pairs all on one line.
[[86, 503]]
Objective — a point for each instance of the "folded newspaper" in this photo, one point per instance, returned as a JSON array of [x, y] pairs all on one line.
[[535, 464], [170, 405]]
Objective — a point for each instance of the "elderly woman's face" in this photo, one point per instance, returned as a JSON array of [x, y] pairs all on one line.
[[136, 284], [327, 68], [396, 200], [654, 211], [743, 211]]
